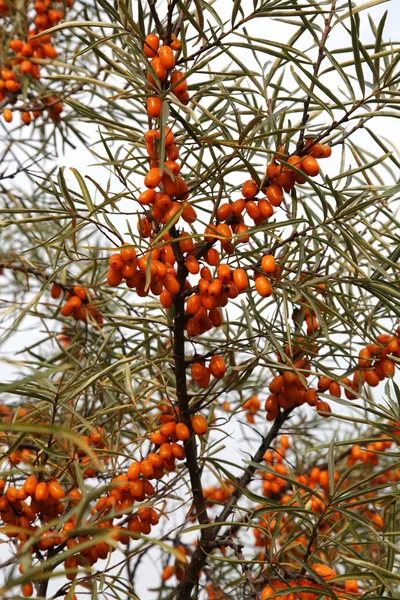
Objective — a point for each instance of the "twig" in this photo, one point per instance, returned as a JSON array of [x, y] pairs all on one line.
[[208, 534], [317, 65], [156, 18]]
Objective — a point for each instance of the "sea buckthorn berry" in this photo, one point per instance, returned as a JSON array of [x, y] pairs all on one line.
[[351, 586], [158, 69], [212, 257], [193, 304], [272, 170], [265, 208], [166, 299], [30, 485], [171, 284], [224, 273], [238, 207], [324, 383], [192, 265], [41, 492], [154, 106], [167, 573], [150, 47], [224, 211], [49, 51], [134, 471], [249, 189], [215, 316], [172, 166], [153, 178], [166, 55], [182, 432], [7, 115], [215, 288], [268, 264], [263, 286], [179, 88], [114, 278], [27, 590], [323, 409], [240, 279], [172, 152], [199, 425], [16, 45], [175, 42], [241, 234], [310, 166], [168, 429], [274, 195], [252, 210], [116, 262], [217, 366], [324, 571], [26, 66], [55, 490], [56, 291]]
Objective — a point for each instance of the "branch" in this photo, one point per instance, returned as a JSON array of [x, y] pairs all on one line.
[[317, 65], [209, 534], [181, 386], [156, 18]]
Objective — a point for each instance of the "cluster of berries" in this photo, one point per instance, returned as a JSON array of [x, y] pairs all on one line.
[[25, 57]]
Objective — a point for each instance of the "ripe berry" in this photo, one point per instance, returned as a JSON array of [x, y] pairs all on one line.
[[199, 425], [151, 45]]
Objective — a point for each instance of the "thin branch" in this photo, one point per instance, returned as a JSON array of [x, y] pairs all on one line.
[[209, 534], [317, 65]]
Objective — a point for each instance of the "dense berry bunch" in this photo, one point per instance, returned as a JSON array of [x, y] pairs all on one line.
[[23, 59]]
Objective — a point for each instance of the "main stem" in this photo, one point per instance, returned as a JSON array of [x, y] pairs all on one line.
[[209, 534], [181, 388]]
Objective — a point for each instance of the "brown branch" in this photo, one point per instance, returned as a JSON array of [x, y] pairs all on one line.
[[209, 534], [317, 65], [181, 386], [156, 18]]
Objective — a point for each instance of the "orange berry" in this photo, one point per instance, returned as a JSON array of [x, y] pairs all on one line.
[[310, 166], [249, 189], [240, 279], [166, 299], [268, 264], [7, 115], [150, 47], [153, 178], [180, 88], [263, 286], [171, 284], [114, 278], [182, 432], [265, 208], [166, 56], [274, 195], [41, 492], [27, 590], [199, 425], [49, 51], [217, 366], [154, 106], [167, 573], [55, 490], [323, 409], [192, 265], [324, 571]]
